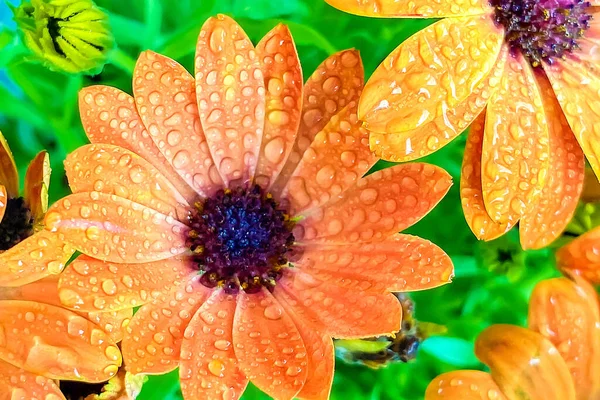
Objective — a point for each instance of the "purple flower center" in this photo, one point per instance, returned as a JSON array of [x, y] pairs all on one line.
[[16, 225], [543, 30], [240, 239]]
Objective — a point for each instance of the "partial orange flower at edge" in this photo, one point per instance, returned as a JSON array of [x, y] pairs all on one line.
[[140, 186], [538, 123]]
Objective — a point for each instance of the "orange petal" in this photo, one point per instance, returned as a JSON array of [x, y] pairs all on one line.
[[412, 9], [3, 201], [9, 178], [283, 82], [268, 346], [18, 384], [34, 258], [110, 116], [231, 97], [401, 263], [336, 83], [337, 158], [524, 364], [428, 138], [546, 220], [582, 256], [380, 205], [463, 385], [112, 322], [115, 170], [55, 342], [37, 181], [165, 95], [567, 314], [321, 358], [152, 340], [435, 70], [591, 187], [514, 158], [576, 88], [89, 284], [471, 193], [344, 313], [115, 229], [209, 367], [41, 291]]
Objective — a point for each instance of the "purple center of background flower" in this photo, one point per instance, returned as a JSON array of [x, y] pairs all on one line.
[[16, 225], [240, 239], [543, 30]]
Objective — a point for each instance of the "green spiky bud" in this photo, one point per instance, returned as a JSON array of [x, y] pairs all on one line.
[[72, 36]]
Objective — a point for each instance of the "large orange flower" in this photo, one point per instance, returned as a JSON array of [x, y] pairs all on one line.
[[557, 358], [525, 72], [232, 206], [27, 251], [41, 342]]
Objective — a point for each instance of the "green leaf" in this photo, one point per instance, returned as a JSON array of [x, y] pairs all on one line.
[[455, 351]]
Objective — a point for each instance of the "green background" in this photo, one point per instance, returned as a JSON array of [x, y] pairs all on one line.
[[38, 109]]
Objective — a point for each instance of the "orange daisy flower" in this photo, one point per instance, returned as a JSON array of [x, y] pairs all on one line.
[[41, 342], [232, 205], [523, 74], [581, 256], [558, 357], [27, 251]]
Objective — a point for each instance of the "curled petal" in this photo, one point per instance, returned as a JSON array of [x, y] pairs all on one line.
[[431, 72], [268, 346], [152, 340], [514, 158], [413, 9], [566, 313], [115, 170], [464, 385], [336, 83], [111, 228], [16, 383], [36, 257], [471, 193], [582, 256], [166, 101], [112, 322], [110, 116], [209, 367], [545, 220], [283, 82], [9, 178], [524, 364], [231, 97], [55, 342], [400, 263], [428, 138], [380, 205], [576, 87], [37, 181], [93, 285], [341, 312], [337, 158]]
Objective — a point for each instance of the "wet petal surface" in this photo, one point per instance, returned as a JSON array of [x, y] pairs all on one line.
[[412, 9], [582, 256], [166, 101], [464, 385], [115, 229], [16, 383], [231, 97], [284, 87], [37, 181]]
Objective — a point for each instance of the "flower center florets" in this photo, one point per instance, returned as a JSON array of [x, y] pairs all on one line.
[[16, 225], [543, 30], [240, 239]]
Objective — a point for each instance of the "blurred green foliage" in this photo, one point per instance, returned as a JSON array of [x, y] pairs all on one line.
[[38, 109]]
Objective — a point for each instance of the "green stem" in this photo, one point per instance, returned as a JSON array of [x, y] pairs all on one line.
[[122, 60]]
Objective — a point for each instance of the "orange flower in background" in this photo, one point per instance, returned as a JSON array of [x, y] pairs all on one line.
[[27, 251], [525, 72], [41, 342], [581, 256], [232, 205], [558, 357]]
